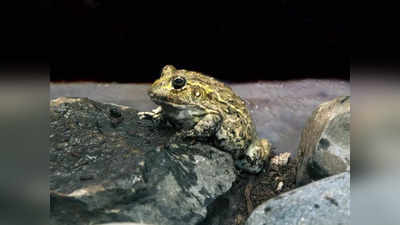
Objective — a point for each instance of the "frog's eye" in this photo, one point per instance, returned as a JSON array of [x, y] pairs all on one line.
[[178, 82]]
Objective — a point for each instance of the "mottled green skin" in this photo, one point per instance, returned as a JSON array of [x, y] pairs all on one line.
[[205, 108]]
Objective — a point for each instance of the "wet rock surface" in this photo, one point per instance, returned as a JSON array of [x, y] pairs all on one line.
[[325, 143], [326, 201], [106, 165]]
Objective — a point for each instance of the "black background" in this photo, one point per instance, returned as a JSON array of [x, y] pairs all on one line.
[[126, 41]]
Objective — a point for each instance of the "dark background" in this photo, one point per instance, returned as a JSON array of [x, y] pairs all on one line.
[[126, 41]]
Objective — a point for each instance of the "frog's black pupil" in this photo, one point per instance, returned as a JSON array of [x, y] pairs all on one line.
[[178, 82]]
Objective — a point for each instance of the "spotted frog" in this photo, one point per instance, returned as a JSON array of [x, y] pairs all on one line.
[[202, 108]]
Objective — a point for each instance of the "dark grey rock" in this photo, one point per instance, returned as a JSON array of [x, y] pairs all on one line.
[[324, 202], [123, 223], [325, 143], [106, 166]]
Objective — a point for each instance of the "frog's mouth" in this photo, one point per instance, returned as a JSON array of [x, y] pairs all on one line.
[[174, 106], [164, 102], [160, 98]]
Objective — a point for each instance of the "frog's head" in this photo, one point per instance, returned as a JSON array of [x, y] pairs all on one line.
[[181, 88]]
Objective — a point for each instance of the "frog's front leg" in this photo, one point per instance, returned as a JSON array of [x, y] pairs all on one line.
[[155, 115], [205, 128]]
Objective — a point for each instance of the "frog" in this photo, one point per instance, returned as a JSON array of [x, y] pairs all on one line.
[[203, 108]]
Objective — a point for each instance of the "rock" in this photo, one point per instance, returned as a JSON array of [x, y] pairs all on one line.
[[249, 191], [108, 166], [325, 142], [326, 201], [124, 224]]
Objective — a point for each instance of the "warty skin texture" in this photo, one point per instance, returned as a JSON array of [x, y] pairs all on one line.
[[203, 108]]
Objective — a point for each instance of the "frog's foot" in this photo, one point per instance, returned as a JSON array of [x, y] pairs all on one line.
[[253, 160], [153, 115]]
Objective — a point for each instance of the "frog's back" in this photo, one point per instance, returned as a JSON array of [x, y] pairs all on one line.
[[220, 95], [237, 129]]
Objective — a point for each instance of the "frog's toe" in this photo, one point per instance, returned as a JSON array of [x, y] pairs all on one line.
[[145, 115]]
